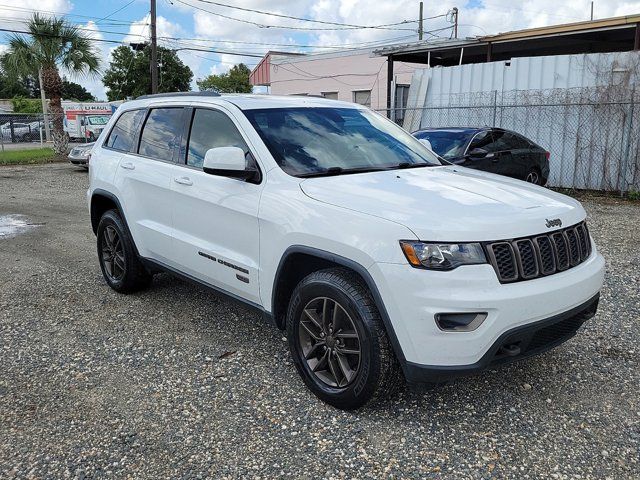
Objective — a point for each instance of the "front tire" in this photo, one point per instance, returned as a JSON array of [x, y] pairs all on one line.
[[338, 342], [122, 269]]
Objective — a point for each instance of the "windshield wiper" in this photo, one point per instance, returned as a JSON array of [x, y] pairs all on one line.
[[410, 165], [332, 171]]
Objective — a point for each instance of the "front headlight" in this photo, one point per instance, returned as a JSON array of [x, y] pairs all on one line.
[[442, 256]]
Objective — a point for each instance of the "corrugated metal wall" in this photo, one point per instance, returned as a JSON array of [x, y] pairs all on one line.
[[580, 107]]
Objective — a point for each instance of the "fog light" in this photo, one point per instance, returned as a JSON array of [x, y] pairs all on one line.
[[460, 322]]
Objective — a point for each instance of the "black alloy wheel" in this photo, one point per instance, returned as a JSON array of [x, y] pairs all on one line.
[[329, 341], [338, 341], [113, 259], [121, 267]]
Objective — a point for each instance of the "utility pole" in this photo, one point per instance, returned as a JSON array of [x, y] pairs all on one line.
[[455, 22], [420, 26], [44, 108], [592, 11], [154, 50]]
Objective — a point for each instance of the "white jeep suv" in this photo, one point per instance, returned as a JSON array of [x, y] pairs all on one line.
[[379, 259]]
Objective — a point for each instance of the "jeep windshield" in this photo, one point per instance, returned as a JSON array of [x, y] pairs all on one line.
[[319, 141]]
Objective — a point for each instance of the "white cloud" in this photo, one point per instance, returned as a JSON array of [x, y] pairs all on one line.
[[489, 16], [14, 14]]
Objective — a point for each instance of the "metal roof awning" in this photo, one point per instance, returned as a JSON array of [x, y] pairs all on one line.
[[606, 35]]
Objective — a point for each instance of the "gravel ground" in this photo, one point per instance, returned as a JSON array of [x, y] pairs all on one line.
[[179, 382]]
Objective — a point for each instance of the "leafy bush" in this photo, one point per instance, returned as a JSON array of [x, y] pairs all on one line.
[[26, 105]]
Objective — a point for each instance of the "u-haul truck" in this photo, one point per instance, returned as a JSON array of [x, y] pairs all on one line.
[[85, 121]]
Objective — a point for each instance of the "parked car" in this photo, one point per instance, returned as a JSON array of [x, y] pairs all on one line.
[[22, 132], [79, 155], [492, 150], [380, 261]]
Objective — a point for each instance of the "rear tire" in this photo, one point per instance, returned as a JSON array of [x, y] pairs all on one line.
[[331, 316], [122, 269]]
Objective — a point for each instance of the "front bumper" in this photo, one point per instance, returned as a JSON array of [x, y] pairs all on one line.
[[413, 297], [515, 344]]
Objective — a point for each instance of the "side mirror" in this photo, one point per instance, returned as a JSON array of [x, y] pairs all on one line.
[[227, 162], [478, 153]]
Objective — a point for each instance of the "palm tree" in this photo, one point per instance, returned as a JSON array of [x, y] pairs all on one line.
[[52, 43]]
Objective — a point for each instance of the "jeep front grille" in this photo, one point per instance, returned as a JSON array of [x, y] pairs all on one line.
[[541, 255]]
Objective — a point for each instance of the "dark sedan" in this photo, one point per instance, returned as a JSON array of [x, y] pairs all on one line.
[[490, 149]]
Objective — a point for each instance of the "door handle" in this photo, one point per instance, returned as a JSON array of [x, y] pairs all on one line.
[[183, 181], [128, 166]]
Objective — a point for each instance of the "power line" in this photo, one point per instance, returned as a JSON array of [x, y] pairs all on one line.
[[218, 60], [10, 30], [222, 52], [344, 46], [93, 30], [51, 12], [115, 11], [302, 19], [290, 27]]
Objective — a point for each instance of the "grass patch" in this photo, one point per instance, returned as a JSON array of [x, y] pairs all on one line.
[[31, 155]]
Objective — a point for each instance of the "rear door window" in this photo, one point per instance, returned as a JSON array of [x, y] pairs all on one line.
[[123, 134], [161, 133]]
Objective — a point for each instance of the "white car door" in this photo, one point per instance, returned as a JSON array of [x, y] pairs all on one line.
[[144, 180], [215, 217]]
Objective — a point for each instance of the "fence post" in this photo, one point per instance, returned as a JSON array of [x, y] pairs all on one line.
[[627, 146], [12, 131], [495, 106]]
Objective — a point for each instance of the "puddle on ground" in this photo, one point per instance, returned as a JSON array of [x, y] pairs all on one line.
[[12, 225]]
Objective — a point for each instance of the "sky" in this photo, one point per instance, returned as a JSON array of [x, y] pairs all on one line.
[[228, 36]]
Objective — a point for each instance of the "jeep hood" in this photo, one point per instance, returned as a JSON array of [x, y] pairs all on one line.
[[449, 203]]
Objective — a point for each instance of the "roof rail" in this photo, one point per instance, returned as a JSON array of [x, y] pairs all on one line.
[[180, 94]]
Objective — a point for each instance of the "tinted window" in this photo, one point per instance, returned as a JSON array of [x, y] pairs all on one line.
[[507, 141], [447, 143], [161, 133], [520, 142], [211, 129], [318, 140], [484, 141], [122, 136]]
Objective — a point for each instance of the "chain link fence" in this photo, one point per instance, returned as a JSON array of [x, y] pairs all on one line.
[[22, 130], [593, 134]]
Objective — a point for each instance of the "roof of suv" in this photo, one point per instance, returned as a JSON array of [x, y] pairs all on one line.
[[246, 101]]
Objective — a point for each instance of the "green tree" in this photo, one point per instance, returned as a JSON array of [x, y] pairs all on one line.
[[235, 80], [26, 105], [12, 87], [128, 75], [73, 91], [51, 44]]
